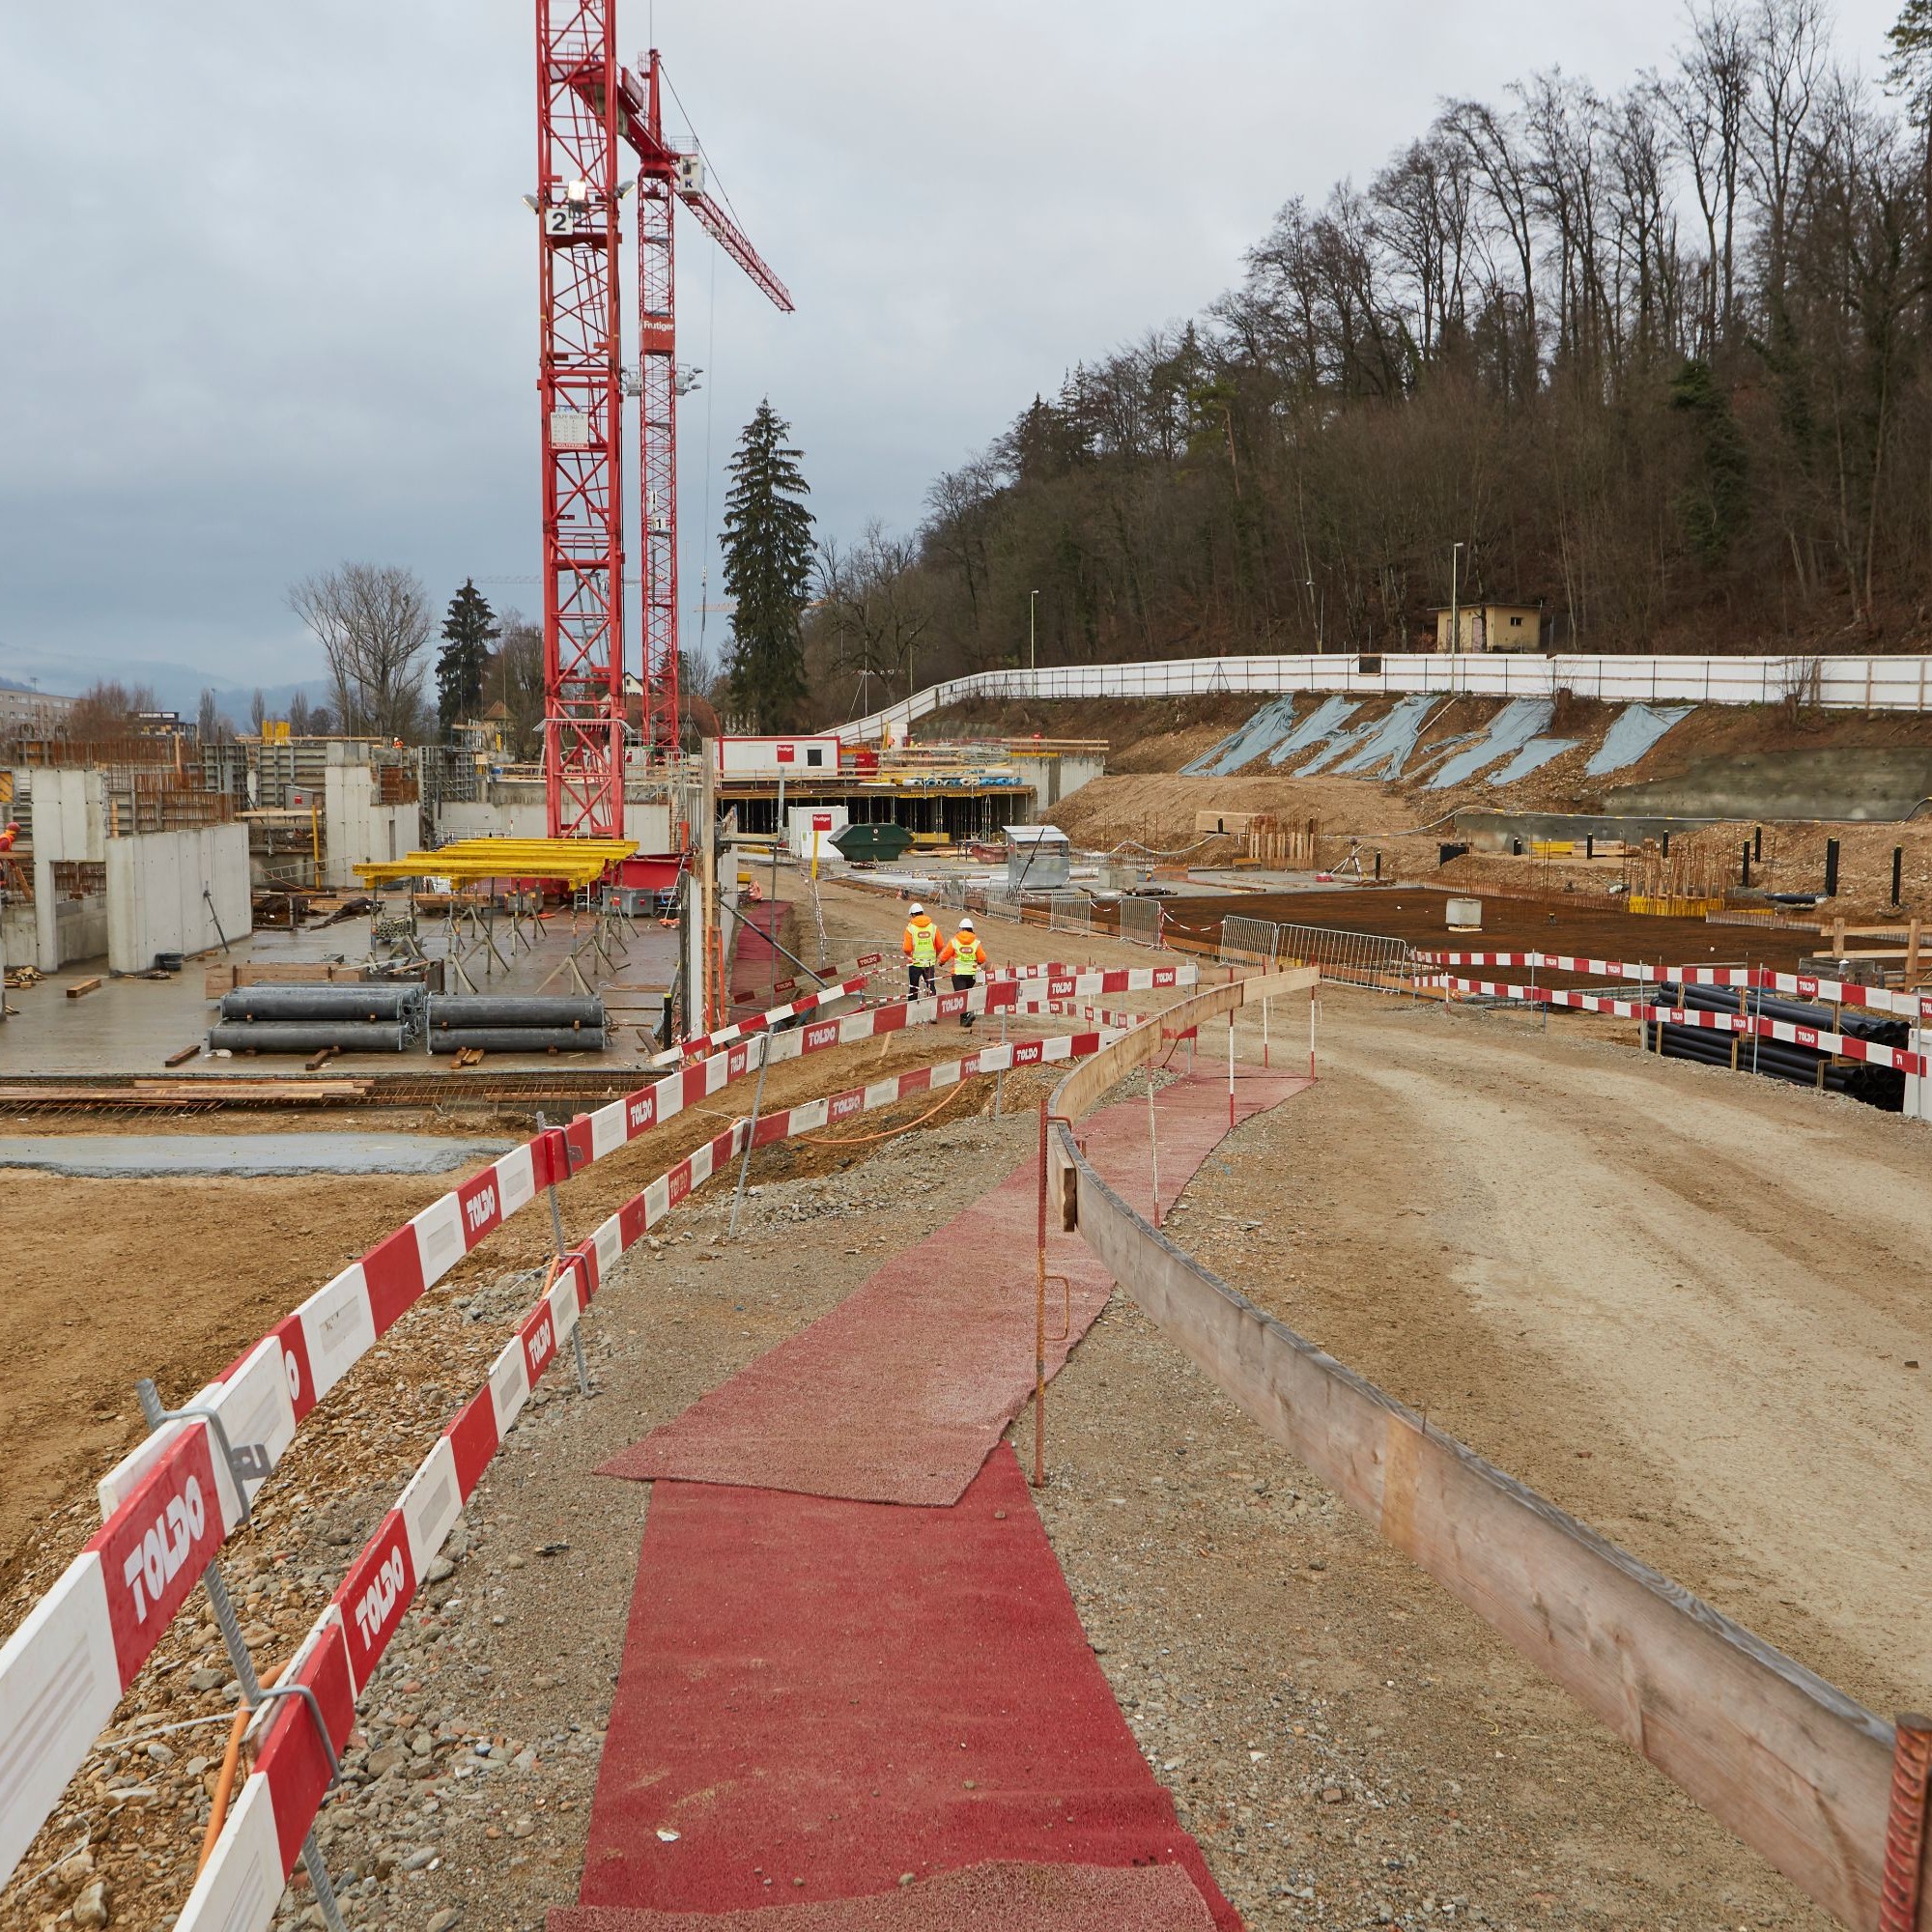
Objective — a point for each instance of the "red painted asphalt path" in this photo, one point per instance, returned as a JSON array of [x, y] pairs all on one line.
[[822, 1694], [900, 1392]]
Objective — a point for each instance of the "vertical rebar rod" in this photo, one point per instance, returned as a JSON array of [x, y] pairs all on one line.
[[1153, 1148], [752, 1131], [1039, 1321], [1902, 1875]]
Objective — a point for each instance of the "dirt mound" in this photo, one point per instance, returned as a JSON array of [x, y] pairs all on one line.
[[1157, 812]]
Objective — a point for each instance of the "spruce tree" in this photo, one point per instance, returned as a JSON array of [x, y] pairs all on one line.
[[469, 629], [768, 570]]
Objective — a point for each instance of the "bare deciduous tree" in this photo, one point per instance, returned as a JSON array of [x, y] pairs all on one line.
[[373, 622]]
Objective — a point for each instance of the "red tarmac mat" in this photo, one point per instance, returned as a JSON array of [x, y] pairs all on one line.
[[820, 1696], [898, 1393]]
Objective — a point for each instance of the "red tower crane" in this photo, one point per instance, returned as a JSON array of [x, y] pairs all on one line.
[[586, 104]]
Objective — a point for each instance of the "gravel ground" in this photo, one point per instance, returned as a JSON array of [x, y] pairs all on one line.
[[1350, 1746]]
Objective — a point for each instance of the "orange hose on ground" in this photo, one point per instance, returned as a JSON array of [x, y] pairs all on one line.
[[866, 1140], [224, 1786]]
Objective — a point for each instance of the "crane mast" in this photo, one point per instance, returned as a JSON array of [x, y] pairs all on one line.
[[657, 419], [588, 105], [582, 388]]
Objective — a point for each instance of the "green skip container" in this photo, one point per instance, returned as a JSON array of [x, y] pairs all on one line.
[[870, 845]]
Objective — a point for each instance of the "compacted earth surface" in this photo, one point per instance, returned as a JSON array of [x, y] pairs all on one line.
[[1678, 1302]]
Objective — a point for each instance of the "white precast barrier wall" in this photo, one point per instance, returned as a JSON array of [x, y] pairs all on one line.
[[1839, 684]]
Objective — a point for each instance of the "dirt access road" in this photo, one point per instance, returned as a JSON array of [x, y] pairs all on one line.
[[1688, 1306]]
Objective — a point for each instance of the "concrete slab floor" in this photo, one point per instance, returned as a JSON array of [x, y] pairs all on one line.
[[132, 1025]]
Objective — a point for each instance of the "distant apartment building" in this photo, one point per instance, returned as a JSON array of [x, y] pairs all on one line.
[[33, 714]]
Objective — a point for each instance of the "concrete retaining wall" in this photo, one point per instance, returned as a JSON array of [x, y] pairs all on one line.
[[155, 886]]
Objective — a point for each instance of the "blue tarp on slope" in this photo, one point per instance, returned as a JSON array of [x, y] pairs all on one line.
[[1520, 721], [1636, 729], [1323, 721], [1386, 747], [1239, 748], [1538, 752]]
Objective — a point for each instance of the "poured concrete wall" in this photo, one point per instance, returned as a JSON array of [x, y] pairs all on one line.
[[356, 828], [155, 893], [70, 813], [1054, 778]]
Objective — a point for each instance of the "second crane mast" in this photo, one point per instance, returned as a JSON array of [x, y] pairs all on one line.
[[587, 104]]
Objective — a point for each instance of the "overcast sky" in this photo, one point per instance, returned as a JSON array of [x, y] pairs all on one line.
[[267, 291]]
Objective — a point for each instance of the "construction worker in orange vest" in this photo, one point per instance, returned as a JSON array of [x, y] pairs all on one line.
[[969, 961], [925, 947]]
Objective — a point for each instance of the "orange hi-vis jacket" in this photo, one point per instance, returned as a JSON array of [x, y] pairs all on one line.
[[968, 955], [925, 943]]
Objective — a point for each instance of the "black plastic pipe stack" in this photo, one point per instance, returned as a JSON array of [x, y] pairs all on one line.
[[1784, 1060], [307, 1036], [506, 1023], [352, 1017]]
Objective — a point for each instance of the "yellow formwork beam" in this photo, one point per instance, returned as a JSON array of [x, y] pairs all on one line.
[[576, 861]]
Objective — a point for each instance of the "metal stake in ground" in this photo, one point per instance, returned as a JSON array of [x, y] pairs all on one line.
[[556, 1231], [1039, 1322], [230, 1627], [1153, 1148], [752, 1131]]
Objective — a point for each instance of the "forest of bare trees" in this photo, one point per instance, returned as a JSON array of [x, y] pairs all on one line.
[[1657, 359]]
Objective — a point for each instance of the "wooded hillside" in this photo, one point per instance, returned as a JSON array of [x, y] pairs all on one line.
[[1657, 359]]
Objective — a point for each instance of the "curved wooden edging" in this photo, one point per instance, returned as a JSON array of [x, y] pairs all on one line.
[[1795, 1768]]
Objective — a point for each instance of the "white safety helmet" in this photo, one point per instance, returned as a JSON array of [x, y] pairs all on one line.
[[965, 925], [917, 909]]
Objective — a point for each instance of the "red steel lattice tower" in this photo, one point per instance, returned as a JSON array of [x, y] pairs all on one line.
[[665, 176], [580, 383], [657, 420]]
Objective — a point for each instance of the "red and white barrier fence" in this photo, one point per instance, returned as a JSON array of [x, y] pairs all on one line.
[[167, 1506], [1843, 1045], [238, 1889], [848, 987], [1911, 1005], [869, 964]]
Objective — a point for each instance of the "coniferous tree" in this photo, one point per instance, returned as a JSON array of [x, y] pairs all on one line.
[[468, 630], [768, 570]]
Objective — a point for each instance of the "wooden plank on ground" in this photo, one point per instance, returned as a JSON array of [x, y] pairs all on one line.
[[81, 987], [181, 1055]]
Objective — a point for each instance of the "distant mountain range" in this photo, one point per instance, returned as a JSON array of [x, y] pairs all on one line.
[[177, 687]]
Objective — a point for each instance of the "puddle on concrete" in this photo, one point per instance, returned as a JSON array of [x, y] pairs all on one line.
[[135, 1156]]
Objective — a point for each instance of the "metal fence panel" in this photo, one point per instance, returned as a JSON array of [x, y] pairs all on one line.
[[1140, 921], [1247, 942]]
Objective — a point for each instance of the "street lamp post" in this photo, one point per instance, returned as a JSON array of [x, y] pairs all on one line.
[[1032, 647], [1454, 602]]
